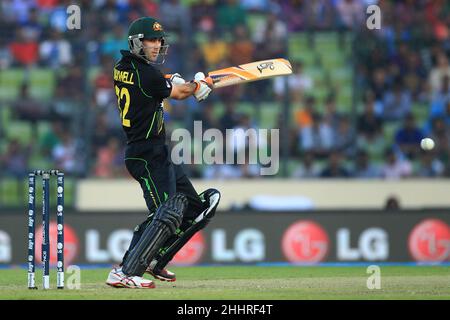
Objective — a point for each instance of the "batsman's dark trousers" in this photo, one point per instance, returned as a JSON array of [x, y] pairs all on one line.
[[159, 178]]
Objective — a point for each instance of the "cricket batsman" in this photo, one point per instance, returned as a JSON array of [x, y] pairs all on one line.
[[176, 211]]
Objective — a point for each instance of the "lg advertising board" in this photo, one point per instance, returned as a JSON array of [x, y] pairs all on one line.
[[252, 237]]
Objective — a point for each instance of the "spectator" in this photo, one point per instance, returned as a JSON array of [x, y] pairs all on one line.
[[73, 83], [20, 10], [47, 5], [408, 137], [351, 13], [291, 134], [6, 58], [294, 14], [255, 5], [230, 15], [114, 42], [308, 168], [441, 70], [109, 160], [405, 12], [103, 131], [50, 139], [440, 133], [141, 8], [240, 141], [33, 28], [363, 167], [392, 204], [56, 51], [15, 160], [66, 154], [298, 83], [62, 106], [304, 116], [369, 125], [222, 172], [249, 170], [319, 14], [241, 49], [206, 116], [317, 138], [396, 102], [379, 86], [331, 113], [24, 50], [344, 136], [444, 113], [230, 118], [204, 15], [429, 166], [58, 16], [110, 16], [399, 56], [214, 51], [232, 171], [92, 41], [176, 17], [394, 167], [369, 128], [270, 35], [29, 109], [335, 167], [414, 76], [441, 98], [104, 92]]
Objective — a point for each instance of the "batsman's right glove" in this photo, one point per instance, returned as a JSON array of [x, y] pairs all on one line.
[[175, 79]]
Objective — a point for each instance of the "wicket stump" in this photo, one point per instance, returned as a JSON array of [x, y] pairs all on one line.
[[45, 250]]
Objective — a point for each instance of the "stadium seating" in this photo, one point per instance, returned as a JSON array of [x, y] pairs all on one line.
[[10, 82], [42, 84]]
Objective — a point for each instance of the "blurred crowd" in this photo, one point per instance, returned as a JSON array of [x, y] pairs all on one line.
[[402, 65]]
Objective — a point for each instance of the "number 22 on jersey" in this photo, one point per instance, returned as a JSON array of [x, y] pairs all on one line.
[[123, 93]]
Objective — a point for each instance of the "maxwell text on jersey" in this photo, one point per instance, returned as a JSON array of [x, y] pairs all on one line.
[[123, 76]]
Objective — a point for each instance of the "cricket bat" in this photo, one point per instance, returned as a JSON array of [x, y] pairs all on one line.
[[249, 72]]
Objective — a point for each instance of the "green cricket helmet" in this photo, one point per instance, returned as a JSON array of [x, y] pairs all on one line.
[[146, 28]]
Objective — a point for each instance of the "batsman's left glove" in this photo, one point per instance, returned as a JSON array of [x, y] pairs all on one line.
[[204, 86]]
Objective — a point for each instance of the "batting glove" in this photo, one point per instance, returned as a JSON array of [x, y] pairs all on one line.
[[204, 86], [175, 78]]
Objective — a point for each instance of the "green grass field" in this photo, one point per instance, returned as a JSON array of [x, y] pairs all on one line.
[[241, 283]]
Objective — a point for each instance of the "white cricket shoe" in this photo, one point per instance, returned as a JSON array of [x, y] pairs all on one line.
[[118, 279]]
